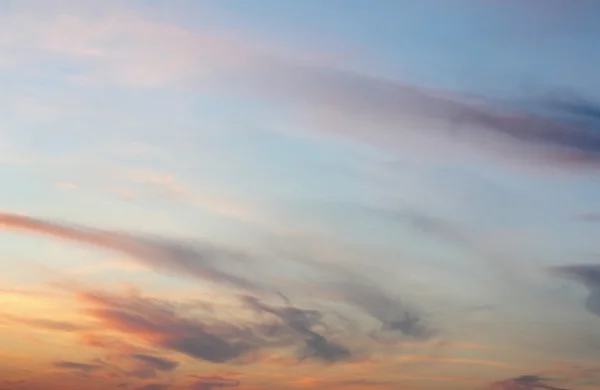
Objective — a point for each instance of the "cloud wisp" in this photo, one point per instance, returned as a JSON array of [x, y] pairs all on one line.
[[210, 263], [168, 256], [347, 103], [75, 366]]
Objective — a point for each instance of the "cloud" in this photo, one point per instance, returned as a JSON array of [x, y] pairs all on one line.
[[75, 366], [575, 107], [368, 383], [590, 216], [154, 386], [212, 263], [303, 322], [525, 382], [160, 324], [364, 294], [157, 363], [124, 47], [167, 185], [392, 115], [169, 256], [139, 366], [53, 325], [589, 276], [213, 382], [449, 360], [205, 336], [109, 343], [393, 314]]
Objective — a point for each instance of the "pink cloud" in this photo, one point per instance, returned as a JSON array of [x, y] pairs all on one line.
[[125, 48]]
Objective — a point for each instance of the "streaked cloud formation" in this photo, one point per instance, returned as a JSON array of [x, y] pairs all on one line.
[[299, 195]]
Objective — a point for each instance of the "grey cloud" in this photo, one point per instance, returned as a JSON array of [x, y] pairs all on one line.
[[208, 338], [589, 276], [146, 366], [343, 282], [525, 382], [161, 323], [369, 297], [206, 346], [154, 386], [75, 366], [589, 216], [303, 323], [393, 314], [161, 364], [575, 107], [212, 382]]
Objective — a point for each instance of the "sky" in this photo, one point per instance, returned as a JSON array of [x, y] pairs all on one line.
[[286, 195]]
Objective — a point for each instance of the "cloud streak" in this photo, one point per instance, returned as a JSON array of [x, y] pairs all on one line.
[[347, 103], [163, 255], [75, 366], [210, 263]]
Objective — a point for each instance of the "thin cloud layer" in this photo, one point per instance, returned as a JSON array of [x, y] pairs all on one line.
[[163, 255], [51, 325], [389, 114], [380, 111], [209, 263], [321, 301], [75, 366]]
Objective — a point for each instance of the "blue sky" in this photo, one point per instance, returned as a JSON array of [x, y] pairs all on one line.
[[300, 194]]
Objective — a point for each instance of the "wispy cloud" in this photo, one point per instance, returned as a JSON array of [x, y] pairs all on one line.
[[164, 255], [81, 367], [213, 263], [47, 324], [351, 104], [207, 337]]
